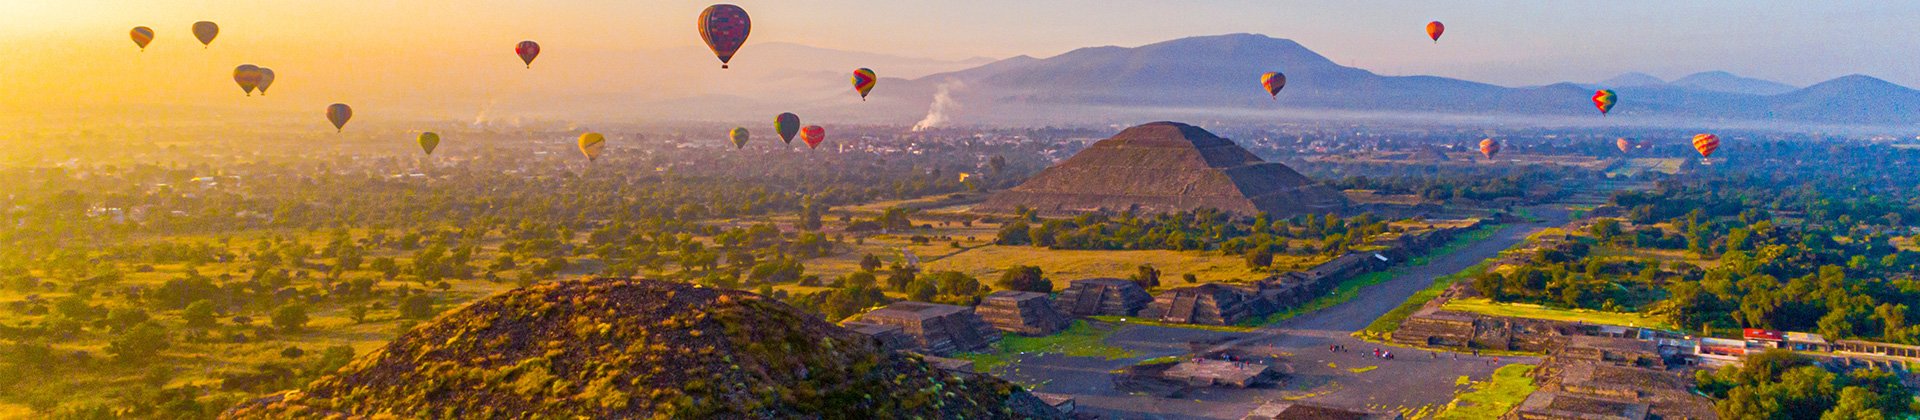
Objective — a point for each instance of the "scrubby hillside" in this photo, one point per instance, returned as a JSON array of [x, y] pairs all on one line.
[[617, 348]]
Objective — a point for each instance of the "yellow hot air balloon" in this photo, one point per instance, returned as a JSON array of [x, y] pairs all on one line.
[[428, 141], [592, 144], [141, 36], [739, 136]]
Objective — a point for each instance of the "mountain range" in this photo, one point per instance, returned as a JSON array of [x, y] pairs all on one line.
[[1219, 76]]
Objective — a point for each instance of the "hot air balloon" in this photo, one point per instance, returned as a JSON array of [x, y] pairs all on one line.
[[1624, 144], [339, 114], [1273, 81], [863, 81], [266, 79], [428, 141], [527, 51], [1603, 99], [248, 76], [1489, 147], [205, 31], [725, 28], [142, 36], [967, 179], [739, 137], [1706, 144], [813, 135], [592, 144], [787, 125], [1434, 29]]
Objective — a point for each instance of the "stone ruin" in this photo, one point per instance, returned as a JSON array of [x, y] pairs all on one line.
[[934, 328], [1026, 313], [1102, 296]]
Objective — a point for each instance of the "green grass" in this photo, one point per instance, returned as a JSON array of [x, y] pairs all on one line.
[[1383, 327], [1523, 310], [1350, 288], [1492, 398], [1082, 339], [1363, 369]]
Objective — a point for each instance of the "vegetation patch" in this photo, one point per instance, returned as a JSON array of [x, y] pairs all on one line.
[[1491, 398], [1527, 310], [1082, 339]]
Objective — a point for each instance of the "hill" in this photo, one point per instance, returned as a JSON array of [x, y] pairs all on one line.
[[619, 348]]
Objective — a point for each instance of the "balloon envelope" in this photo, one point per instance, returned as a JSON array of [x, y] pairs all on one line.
[[1624, 144], [1604, 99], [863, 81], [247, 76], [266, 79], [1706, 144], [428, 141], [738, 136], [1489, 147], [787, 125], [725, 28], [142, 36], [1434, 29], [339, 114], [527, 50], [813, 135], [1273, 81], [592, 144], [205, 31]]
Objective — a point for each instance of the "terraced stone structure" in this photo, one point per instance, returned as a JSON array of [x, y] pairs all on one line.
[[1167, 167], [1207, 304], [1028, 313], [1102, 296], [936, 329]]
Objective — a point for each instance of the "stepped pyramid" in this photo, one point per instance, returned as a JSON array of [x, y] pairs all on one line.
[[1167, 167]]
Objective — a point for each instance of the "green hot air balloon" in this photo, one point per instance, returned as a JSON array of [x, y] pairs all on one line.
[[428, 141]]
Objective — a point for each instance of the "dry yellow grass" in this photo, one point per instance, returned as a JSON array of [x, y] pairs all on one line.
[[987, 262]]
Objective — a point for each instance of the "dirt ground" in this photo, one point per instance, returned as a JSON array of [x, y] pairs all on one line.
[[1416, 381]]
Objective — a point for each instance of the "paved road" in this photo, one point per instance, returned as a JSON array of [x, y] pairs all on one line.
[[1298, 347]]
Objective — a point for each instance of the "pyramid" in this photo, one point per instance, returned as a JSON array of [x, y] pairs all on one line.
[[1167, 167]]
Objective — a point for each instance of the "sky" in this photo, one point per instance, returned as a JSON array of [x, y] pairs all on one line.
[[74, 56]]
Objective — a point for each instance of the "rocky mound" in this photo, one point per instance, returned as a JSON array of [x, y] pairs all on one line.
[[619, 348], [1167, 167]]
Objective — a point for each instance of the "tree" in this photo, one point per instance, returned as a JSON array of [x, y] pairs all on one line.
[[140, 343], [1024, 278], [1015, 233], [1146, 276], [900, 276], [290, 317], [1260, 258], [859, 279], [417, 307], [1856, 403], [922, 291], [869, 263], [200, 314], [358, 313]]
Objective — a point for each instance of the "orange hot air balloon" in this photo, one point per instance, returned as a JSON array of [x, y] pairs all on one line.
[[527, 50], [1434, 29], [142, 36], [248, 76], [338, 114], [1624, 144], [1706, 144], [813, 135], [1273, 81], [1603, 99], [725, 28], [1489, 147]]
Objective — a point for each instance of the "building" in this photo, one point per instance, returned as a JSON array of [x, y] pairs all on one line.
[[1028, 313], [934, 328], [1207, 304], [1563, 406], [1167, 167], [1293, 410], [890, 337], [1213, 372], [1619, 351], [1102, 296], [1061, 402]]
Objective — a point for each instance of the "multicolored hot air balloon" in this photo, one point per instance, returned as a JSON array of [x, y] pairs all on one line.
[[1625, 145], [739, 137], [247, 76], [1706, 144], [1489, 147], [813, 135], [1604, 99], [205, 31], [428, 141], [527, 50], [863, 81], [339, 114], [787, 125], [266, 80], [592, 144], [1273, 81], [725, 28], [1434, 29], [142, 36]]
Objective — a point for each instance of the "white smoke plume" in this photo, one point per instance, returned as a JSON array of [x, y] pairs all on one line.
[[939, 115]]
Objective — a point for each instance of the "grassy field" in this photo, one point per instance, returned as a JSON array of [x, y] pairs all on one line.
[[987, 262], [1491, 398], [1082, 339], [1522, 310]]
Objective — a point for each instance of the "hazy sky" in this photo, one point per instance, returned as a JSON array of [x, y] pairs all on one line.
[[74, 55]]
